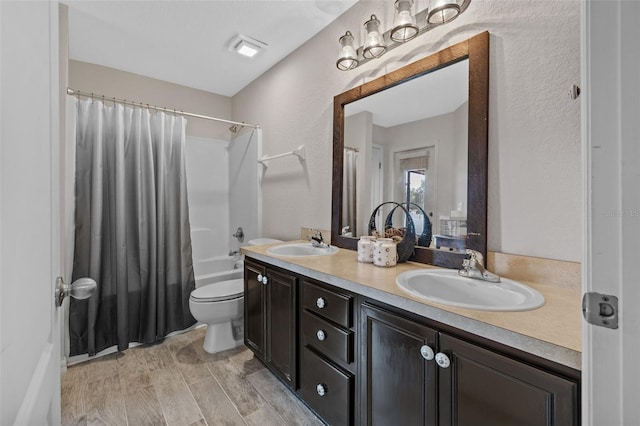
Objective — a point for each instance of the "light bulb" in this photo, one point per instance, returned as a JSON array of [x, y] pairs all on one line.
[[374, 46], [348, 59], [443, 11], [405, 27]]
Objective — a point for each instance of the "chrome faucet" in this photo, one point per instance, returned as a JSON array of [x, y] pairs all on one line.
[[239, 234], [316, 239], [473, 267]]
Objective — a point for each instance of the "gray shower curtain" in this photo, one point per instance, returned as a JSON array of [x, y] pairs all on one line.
[[132, 233]]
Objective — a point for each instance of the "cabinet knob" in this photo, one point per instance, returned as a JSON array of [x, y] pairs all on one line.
[[321, 389], [426, 352], [321, 303], [321, 335], [442, 360], [259, 278]]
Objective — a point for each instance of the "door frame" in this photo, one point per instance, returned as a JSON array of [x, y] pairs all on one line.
[[611, 206]]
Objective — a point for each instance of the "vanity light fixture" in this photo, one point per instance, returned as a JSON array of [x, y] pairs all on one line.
[[443, 11], [407, 26], [374, 46], [348, 59], [246, 46]]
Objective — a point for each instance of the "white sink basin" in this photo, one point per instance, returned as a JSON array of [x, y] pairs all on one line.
[[300, 250], [448, 288]]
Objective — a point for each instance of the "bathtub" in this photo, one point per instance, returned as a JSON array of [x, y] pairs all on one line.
[[216, 269]]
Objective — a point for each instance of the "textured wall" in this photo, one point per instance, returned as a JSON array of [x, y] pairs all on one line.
[[534, 128]]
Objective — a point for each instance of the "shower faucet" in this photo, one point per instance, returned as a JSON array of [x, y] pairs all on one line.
[[239, 234]]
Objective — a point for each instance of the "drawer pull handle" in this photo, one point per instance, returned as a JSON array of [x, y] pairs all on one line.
[[427, 352], [321, 303], [321, 335], [321, 389], [442, 360]]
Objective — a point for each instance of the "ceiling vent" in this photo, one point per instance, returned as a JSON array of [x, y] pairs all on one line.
[[246, 46]]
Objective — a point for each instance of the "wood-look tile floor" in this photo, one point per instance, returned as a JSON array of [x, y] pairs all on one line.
[[177, 383]]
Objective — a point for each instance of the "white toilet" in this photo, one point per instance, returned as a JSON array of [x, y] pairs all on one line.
[[262, 240], [219, 305]]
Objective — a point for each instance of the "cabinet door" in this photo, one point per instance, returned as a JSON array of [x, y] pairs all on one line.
[[254, 309], [281, 325], [481, 387], [398, 384]]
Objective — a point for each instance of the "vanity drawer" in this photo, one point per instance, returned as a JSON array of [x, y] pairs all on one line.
[[326, 388], [327, 338], [331, 305]]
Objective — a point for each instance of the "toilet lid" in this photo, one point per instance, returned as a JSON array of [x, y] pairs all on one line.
[[261, 241], [216, 292]]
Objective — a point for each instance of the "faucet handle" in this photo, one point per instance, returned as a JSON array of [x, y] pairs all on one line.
[[474, 255], [314, 234]]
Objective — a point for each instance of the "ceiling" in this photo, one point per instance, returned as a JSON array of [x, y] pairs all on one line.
[[186, 42]]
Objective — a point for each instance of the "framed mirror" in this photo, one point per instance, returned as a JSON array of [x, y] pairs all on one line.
[[417, 136]]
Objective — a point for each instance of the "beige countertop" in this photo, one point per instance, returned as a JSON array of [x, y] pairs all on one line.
[[552, 332]]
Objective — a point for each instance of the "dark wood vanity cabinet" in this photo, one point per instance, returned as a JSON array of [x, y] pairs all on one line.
[[328, 352], [481, 387], [270, 326], [255, 308], [477, 387], [357, 361], [398, 386]]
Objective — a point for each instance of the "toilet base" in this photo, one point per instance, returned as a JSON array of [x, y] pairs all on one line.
[[219, 337]]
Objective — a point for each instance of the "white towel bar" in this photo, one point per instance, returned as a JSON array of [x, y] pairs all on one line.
[[299, 152]]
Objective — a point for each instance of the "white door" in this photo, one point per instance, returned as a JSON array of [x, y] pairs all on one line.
[[29, 213], [611, 135]]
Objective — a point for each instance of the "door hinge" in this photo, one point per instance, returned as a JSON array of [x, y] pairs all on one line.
[[600, 309]]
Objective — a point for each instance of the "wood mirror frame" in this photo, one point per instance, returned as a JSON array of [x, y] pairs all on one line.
[[476, 49]]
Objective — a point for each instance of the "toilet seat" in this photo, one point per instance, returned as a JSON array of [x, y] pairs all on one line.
[[262, 240], [218, 292]]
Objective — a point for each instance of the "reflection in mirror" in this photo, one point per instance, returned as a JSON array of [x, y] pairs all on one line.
[[417, 136], [408, 144]]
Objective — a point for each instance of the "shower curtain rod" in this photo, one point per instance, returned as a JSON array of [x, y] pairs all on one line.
[[74, 92]]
